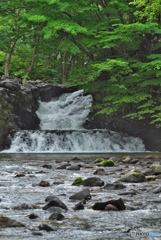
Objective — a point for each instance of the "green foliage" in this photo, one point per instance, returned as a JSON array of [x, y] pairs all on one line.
[[111, 48]]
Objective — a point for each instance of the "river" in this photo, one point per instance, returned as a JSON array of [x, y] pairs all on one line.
[[84, 224]]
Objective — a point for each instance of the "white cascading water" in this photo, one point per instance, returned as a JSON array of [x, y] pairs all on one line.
[[61, 124]]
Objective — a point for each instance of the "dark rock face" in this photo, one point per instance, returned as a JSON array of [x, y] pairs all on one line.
[[19, 102], [136, 128]]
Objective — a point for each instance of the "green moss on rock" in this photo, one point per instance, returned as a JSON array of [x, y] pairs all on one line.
[[134, 177], [77, 181], [107, 163]]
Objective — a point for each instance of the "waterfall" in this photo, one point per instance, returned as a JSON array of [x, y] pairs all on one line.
[[61, 130]]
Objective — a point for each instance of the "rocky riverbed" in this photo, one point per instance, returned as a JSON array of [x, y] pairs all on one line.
[[65, 196]]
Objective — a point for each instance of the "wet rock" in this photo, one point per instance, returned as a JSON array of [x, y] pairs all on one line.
[[126, 159], [44, 184], [73, 167], [79, 206], [6, 222], [20, 174], [150, 178], [57, 182], [51, 197], [93, 181], [46, 227], [98, 160], [84, 194], [114, 186], [131, 193], [134, 161], [56, 216], [118, 204], [134, 177], [23, 206], [99, 171], [75, 159], [37, 234], [56, 209], [156, 169], [63, 166], [110, 207], [47, 166], [55, 203], [107, 163], [33, 216]]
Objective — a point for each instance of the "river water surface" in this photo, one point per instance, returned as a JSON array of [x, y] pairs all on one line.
[[144, 222]]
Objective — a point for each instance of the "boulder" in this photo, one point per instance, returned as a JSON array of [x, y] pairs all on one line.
[[93, 181], [84, 194], [115, 205], [55, 203], [134, 177]]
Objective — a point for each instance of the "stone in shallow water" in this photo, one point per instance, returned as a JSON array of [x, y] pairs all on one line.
[[56, 216], [134, 177], [6, 222], [79, 206], [44, 184], [47, 166], [46, 228], [93, 181], [55, 203], [73, 167], [119, 204], [33, 216], [114, 186], [85, 193]]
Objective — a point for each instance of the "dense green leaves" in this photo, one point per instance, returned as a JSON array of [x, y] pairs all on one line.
[[109, 47]]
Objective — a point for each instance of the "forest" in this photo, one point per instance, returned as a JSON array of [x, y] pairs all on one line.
[[111, 48]]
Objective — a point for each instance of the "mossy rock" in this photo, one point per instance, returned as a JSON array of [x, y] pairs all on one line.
[[98, 160], [77, 181], [134, 177], [107, 163]]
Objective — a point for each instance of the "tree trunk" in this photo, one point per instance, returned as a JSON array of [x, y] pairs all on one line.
[[8, 59], [32, 60], [64, 67]]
